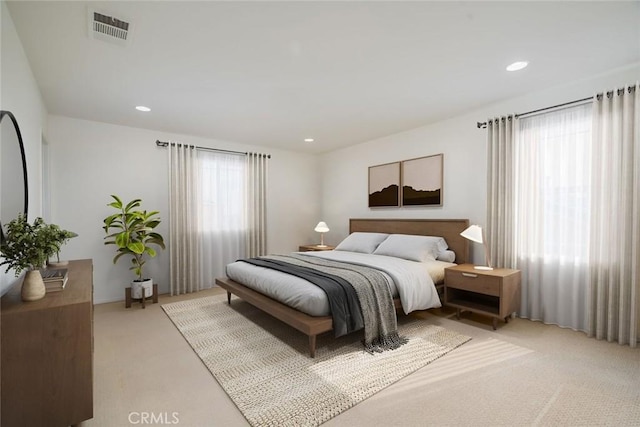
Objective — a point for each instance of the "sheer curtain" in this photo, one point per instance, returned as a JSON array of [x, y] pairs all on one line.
[[614, 258], [552, 215], [184, 250], [222, 218]]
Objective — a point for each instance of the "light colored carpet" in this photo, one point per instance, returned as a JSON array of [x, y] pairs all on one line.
[[522, 374], [264, 367]]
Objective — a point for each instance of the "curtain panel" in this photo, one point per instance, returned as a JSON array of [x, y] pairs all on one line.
[[184, 246], [552, 172], [500, 231], [614, 256], [222, 224], [256, 237]]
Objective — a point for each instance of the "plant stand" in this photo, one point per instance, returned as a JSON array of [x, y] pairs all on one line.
[[128, 299]]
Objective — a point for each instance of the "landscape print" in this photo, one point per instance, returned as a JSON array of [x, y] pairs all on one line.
[[422, 181], [384, 185]]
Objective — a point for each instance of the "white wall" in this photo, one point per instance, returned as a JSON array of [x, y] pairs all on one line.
[[91, 160], [345, 172], [19, 94]]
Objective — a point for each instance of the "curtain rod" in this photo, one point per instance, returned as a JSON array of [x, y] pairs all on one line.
[[630, 88], [244, 153], [482, 125]]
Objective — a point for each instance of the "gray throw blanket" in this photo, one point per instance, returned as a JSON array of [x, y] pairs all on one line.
[[342, 298], [374, 295]]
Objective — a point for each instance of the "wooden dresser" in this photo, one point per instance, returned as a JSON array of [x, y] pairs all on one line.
[[47, 354]]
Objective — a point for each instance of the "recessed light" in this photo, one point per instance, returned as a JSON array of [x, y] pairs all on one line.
[[308, 140], [517, 66], [143, 108]]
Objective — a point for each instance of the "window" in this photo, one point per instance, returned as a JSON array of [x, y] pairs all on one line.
[[222, 192], [553, 168], [222, 219]]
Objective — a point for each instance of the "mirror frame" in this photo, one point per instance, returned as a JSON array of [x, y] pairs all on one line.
[[4, 113]]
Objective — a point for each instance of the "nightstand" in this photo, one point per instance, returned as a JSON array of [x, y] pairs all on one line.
[[312, 248], [494, 293]]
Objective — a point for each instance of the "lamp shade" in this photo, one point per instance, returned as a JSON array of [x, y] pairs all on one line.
[[473, 233], [321, 227]]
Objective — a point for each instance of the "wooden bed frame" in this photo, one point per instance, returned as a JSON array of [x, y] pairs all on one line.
[[312, 326]]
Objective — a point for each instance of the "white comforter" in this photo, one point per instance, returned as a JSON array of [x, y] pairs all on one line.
[[411, 281]]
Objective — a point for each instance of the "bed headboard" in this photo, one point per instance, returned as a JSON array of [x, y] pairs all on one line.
[[450, 229]]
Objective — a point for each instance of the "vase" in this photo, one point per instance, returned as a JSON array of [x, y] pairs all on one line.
[[138, 285], [33, 286]]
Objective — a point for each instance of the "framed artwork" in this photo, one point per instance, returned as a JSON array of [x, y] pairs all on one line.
[[422, 181], [384, 185]]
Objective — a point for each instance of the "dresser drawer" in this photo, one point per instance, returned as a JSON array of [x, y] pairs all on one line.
[[473, 282]]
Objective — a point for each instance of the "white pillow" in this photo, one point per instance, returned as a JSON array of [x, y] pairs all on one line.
[[361, 242], [447, 256], [413, 248]]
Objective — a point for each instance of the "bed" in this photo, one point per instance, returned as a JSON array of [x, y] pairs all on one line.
[[313, 325]]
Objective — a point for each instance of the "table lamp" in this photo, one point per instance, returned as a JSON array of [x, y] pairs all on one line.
[[321, 228], [474, 233]]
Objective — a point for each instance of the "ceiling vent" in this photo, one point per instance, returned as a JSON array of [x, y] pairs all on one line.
[[103, 26]]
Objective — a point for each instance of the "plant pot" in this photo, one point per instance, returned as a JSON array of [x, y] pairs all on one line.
[[33, 286], [138, 285], [57, 264]]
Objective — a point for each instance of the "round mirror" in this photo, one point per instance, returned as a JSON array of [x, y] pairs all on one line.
[[13, 171]]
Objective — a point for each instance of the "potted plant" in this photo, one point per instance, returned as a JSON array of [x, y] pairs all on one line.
[[131, 230], [58, 237], [27, 247]]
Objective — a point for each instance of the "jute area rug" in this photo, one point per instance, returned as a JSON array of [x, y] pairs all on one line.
[[264, 366]]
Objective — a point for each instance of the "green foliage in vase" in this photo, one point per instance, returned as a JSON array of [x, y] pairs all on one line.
[[131, 230], [58, 237], [28, 246]]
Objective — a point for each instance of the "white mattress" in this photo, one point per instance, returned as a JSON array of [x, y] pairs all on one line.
[[412, 281]]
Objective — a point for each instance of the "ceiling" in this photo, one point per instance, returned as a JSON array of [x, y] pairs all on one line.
[[274, 73]]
